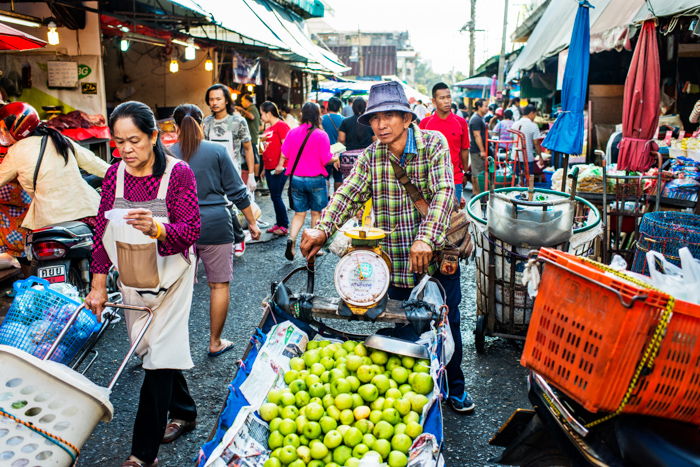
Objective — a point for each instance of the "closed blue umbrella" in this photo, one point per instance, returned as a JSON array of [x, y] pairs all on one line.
[[566, 136]]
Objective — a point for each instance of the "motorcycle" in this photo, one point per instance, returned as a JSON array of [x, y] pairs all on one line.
[[557, 432]]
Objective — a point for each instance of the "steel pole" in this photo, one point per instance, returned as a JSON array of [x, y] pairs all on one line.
[[502, 57]]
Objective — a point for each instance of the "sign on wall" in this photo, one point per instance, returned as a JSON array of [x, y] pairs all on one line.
[[62, 74]]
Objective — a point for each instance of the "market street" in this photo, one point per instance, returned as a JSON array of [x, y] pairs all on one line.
[[495, 380]]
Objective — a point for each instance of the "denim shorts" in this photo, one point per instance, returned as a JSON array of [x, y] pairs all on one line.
[[309, 193]]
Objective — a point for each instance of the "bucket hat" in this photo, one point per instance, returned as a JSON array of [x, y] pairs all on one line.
[[386, 97]]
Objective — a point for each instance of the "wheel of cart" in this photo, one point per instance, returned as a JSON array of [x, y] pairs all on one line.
[[48, 410], [507, 224], [290, 320]]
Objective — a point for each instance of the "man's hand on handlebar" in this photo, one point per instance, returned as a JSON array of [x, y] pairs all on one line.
[[312, 240], [420, 257]]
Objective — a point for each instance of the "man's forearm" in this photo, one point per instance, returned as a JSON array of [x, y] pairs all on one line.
[[249, 157], [478, 141], [464, 154]]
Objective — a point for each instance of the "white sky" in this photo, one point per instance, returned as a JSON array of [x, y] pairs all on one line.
[[433, 26]]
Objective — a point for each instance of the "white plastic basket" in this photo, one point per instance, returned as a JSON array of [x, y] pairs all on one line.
[[47, 410]]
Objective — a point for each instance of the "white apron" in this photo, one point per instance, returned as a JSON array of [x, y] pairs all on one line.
[[162, 283]]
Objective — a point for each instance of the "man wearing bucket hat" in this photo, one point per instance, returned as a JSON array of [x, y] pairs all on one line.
[[424, 156]]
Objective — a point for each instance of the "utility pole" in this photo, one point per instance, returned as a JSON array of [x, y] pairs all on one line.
[[359, 52], [472, 30], [502, 57]]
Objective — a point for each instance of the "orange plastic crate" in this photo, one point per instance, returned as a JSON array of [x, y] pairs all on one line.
[[585, 342]]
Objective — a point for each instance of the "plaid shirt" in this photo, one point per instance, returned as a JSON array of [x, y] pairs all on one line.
[[429, 167]]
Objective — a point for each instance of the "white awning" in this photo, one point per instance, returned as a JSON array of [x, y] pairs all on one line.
[[609, 23]]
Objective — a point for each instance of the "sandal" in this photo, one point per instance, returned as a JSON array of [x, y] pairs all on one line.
[[228, 345], [137, 463], [177, 428]]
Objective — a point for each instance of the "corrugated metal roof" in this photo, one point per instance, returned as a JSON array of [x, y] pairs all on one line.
[[378, 60]]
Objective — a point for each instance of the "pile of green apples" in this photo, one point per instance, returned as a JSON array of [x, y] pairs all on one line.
[[344, 401]]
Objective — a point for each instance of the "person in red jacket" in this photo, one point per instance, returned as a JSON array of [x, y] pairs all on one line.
[[455, 130]]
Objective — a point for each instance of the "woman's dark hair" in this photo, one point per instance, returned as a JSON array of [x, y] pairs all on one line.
[[508, 114], [230, 105], [188, 117], [311, 114], [271, 108], [359, 105], [143, 118], [60, 142]]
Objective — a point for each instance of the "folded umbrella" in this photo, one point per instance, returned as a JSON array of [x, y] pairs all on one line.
[[14, 39]]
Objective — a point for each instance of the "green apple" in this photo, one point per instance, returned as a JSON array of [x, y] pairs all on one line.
[[388, 403], [360, 450], [391, 415], [323, 343], [368, 439], [368, 392], [337, 373], [421, 367], [297, 385], [352, 437], [275, 423], [292, 439], [328, 400], [408, 362], [417, 402], [403, 406], [366, 360], [268, 411], [414, 429], [301, 422], [275, 440], [327, 387], [304, 454], [401, 442], [365, 373], [378, 369], [314, 463], [328, 423], [356, 400], [360, 350], [383, 447], [333, 412], [311, 379], [340, 354], [397, 459], [405, 388], [316, 390], [312, 430], [272, 462], [303, 440], [317, 369], [332, 439], [287, 426], [343, 401], [314, 411], [353, 362], [382, 383], [346, 417], [340, 386], [383, 430], [302, 398], [317, 449], [328, 363], [411, 417], [393, 384], [399, 428], [341, 454], [297, 463], [312, 345], [377, 404], [289, 411], [375, 416], [326, 377], [287, 398], [364, 425], [290, 376], [329, 463], [297, 364], [354, 383], [311, 356], [393, 393], [400, 374], [343, 428], [422, 383], [379, 357], [409, 395], [329, 350], [349, 345], [392, 363], [275, 395], [361, 412]]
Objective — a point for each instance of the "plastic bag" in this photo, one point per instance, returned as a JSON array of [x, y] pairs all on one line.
[[682, 283], [341, 242]]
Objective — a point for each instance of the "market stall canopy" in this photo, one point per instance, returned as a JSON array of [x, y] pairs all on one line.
[[609, 27], [331, 88], [14, 39], [265, 24], [476, 82]]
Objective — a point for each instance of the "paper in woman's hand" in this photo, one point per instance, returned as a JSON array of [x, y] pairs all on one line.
[[116, 216]]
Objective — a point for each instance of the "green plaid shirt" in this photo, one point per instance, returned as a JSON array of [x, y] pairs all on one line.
[[429, 168]]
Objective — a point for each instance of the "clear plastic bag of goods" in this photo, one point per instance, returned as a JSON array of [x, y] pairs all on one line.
[[682, 283]]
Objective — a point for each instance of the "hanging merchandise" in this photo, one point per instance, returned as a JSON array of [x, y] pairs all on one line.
[[246, 70]]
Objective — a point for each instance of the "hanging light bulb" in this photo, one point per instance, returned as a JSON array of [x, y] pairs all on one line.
[[124, 45], [208, 63], [251, 88], [52, 35], [174, 66], [190, 50]]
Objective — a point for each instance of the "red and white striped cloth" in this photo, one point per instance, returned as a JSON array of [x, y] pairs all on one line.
[[695, 114]]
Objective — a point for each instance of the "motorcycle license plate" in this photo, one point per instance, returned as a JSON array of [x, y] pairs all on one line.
[[53, 274]]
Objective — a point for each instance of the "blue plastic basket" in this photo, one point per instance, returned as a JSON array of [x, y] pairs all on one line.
[[36, 317], [666, 232]]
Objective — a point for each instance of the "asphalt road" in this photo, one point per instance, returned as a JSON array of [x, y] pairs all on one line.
[[495, 380]]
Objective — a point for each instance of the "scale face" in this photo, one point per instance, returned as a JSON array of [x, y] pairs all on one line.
[[362, 278]]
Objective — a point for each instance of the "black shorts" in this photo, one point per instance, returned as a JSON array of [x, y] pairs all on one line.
[[256, 158]]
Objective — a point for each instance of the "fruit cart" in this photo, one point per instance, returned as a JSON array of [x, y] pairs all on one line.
[[507, 224], [306, 393]]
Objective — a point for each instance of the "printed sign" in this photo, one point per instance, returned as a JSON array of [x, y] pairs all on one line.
[[62, 74], [88, 88]]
